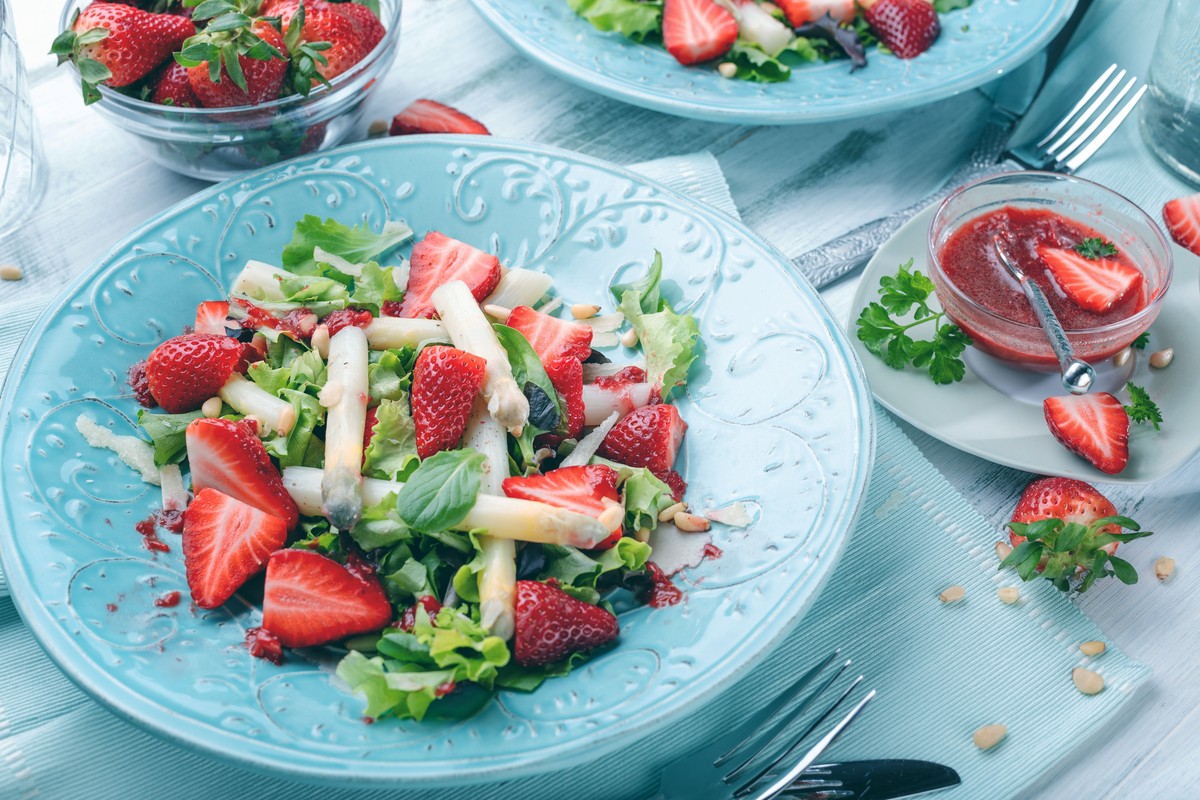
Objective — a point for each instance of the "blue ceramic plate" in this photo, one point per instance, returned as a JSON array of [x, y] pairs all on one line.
[[977, 44], [779, 417]]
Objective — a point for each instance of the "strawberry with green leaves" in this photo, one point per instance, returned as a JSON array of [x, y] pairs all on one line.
[[236, 60]]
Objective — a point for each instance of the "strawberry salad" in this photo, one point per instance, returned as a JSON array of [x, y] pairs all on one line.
[[432, 469], [761, 41]]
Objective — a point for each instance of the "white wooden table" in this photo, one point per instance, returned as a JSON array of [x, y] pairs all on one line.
[[798, 187]]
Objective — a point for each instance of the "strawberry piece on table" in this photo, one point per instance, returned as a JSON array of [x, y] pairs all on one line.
[[225, 541], [590, 490], [430, 116], [551, 625], [697, 30], [1093, 426], [262, 64], [212, 317], [436, 260], [1066, 499], [173, 88], [647, 437], [800, 12], [445, 383], [185, 371], [1092, 283], [117, 44], [1182, 216], [907, 27], [309, 599], [228, 456], [551, 338]]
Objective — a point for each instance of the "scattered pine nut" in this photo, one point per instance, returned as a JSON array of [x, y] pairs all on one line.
[[952, 594], [727, 69], [1003, 549], [1093, 648], [1162, 358], [377, 128], [211, 407], [642, 535], [629, 338], [584, 310], [690, 523], [1008, 594], [1164, 568], [11, 272], [496, 312], [1122, 358], [668, 513], [1087, 681], [989, 736]]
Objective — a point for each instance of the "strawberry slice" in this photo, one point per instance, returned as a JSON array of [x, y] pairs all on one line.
[[1182, 216], [551, 338], [445, 383], [590, 490], [430, 116], [185, 371], [697, 30], [437, 260], [227, 456], [211, 317], [225, 541], [1095, 284], [566, 375], [907, 27], [409, 618], [799, 12], [309, 599], [646, 437], [1093, 426], [551, 625]]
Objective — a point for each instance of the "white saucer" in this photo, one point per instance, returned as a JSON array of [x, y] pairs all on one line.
[[973, 416]]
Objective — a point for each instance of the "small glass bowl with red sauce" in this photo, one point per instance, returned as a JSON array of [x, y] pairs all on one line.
[[1032, 209]]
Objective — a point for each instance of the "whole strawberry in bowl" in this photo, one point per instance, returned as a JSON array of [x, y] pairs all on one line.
[[212, 88]]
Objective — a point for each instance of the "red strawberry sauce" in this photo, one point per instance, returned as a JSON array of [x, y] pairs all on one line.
[[969, 260], [712, 551], [148, 528], [168, 600], [264, 644], [347, 316], [622, 378], [663, 592]]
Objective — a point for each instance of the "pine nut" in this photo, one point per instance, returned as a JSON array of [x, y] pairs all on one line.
[[11, 272], [952, 594], [1164, 568], [584, 311], [377, 128], [668, 513], [1003, 550], [1093, 648], [629, 338], [989, 736], [727, 69], [691, 523], [1008, 594], [1162, 358], [1122, 358], [642, 535], [211, 407], [496, 312], [1086, 681]]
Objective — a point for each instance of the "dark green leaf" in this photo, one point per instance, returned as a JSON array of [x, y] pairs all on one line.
[[1141, 341], [92, 71], [1123, 570], [233, 66]]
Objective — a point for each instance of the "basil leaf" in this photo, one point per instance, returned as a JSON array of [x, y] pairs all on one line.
[[441, 491]]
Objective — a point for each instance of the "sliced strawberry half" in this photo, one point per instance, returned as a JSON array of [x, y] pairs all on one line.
[[550, 337], [1182, 216], [799, 12], [212, 317], [907, 27], [590, 490], [551, 625], [436, 260], [225, 541], [445, 382], [1093, 426], [309, 599], [185, 371], [646, 437], [566, 375], [228, 456], [430, 116], [697, 30], [1095, 284]]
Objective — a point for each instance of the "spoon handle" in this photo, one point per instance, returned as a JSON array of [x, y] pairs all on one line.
[[1050, 324]]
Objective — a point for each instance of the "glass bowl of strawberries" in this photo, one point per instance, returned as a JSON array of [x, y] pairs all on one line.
[[1103, 264], [213, 88]]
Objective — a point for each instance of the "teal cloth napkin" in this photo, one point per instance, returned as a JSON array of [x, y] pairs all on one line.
[[941, 670]]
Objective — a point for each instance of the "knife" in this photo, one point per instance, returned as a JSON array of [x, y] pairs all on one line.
[[871, 780], [1014, 96]]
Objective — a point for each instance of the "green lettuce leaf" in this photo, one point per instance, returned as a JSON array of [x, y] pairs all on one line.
[[755, 64], [636, 19], [649, 298], [357, 245], [299, 448], [441, 491], [166, 432], [643, 494], [392, 454], [389, 373], [380, 526], [667, 339], [374, 287]]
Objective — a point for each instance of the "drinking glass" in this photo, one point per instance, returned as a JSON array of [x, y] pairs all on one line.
[[22, 166], [1170, 116]]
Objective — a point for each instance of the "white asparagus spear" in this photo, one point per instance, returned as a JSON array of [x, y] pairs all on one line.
[[519, 287], [385, 333], [260, 281], [470, 330], [498, 579], [250, 399], [599, 403], [501, 517], [345, 396]]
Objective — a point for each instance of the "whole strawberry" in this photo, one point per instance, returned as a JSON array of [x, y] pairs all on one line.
[[185, 371], [551, 625], [172, 87], [116, 44], [907, 27], [254, 77]]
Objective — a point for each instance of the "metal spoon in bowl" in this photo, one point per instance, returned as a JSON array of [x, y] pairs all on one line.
[[1077, 376]]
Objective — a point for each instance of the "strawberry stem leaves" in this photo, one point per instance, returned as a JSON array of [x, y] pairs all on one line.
[[1060, 551]]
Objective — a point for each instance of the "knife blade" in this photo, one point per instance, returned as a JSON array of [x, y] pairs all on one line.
[[1014, 96], [872, 780]]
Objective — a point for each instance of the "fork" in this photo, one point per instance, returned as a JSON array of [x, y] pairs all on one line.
[[760, 759], [1070, 142]]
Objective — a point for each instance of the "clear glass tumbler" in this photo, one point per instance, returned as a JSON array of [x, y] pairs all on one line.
[[22, 166], [1170, 116]]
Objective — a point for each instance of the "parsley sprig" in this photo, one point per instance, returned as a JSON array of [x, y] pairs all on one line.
[[1141, 408], [908, 291], [1141, 341], [1059, 550], [1095, 247]]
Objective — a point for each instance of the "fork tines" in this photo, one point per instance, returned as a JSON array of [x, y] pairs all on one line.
[[1090, 123]]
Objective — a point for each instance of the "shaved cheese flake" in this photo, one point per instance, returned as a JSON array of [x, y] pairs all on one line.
[[135, 452]]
